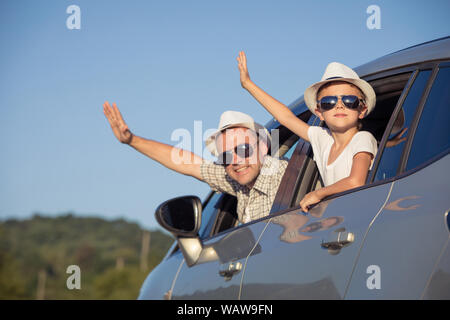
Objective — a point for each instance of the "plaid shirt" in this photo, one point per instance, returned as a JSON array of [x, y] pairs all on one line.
[[252, 203]]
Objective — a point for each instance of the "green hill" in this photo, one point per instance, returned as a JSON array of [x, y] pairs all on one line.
[[35, 254]]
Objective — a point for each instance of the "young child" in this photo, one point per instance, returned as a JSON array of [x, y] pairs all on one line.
[[343, 154]]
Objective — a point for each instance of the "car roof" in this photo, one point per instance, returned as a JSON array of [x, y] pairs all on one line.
[[438, 49]]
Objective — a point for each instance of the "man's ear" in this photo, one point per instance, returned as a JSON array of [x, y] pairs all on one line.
[[219, 142]]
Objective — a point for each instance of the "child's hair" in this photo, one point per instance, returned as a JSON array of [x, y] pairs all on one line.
[[326, 85]]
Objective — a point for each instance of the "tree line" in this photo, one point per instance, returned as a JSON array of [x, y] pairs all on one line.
[[114, 257]]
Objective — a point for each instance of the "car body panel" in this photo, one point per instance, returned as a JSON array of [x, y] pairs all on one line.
[[204, 281], [407, 237], [295, 264], [159, 282], [439, 283]]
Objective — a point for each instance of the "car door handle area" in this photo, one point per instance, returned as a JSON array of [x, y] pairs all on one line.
[[337, 240], [229, 271]]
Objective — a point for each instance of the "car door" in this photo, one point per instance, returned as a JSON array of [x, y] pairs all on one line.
[[218, 275], [312, 255], [160, 282], [405, 253]]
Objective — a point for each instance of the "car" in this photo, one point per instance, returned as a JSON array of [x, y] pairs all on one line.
[[388, 239]]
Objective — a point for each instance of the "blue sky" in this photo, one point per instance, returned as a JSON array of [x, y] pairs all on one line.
[[166, 64]]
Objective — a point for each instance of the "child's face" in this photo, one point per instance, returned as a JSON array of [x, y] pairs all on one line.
[[341, 118]]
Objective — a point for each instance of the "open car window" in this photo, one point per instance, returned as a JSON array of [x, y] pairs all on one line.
[[392, 152], [294, 172], [388, 90], [220, 211], [209, 212]]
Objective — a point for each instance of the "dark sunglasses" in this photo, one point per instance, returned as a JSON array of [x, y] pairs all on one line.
[[329, 102], [243, 151]]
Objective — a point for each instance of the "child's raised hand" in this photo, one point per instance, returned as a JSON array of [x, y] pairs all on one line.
[[242, 66]]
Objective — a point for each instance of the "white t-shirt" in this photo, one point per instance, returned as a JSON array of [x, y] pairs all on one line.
[[321, 141]]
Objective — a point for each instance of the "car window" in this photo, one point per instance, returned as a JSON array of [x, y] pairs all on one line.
[[311, 121], [209, 213], [289, 186], [212, 221], [390, 159], [288, 154], [219, 212], [388, 91], [432, 135]]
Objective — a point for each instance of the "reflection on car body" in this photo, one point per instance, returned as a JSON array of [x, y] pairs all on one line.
[[398, 221]]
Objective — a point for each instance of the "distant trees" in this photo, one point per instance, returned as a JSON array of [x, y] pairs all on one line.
[[114, 257], [12, 285]]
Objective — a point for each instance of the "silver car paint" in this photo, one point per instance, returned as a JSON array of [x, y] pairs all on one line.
[[203, 281], [159, 282], [408, 237], [296, 266]]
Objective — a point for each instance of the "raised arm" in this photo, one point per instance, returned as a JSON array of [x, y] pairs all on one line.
[[176, 159], [277, 109]]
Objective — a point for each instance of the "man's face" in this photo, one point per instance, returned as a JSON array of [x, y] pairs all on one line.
[[242, 170]]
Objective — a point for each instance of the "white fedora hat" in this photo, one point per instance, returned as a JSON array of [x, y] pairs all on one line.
[[336, 71], [232, 119]]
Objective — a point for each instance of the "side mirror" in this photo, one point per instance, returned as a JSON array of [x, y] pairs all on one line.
[[181, 216]]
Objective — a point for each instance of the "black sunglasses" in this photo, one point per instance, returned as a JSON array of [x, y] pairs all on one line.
[[243, 151], [329, 102]]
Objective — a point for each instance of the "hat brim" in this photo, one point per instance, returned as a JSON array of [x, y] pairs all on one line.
[[255, 127], [310, 95]]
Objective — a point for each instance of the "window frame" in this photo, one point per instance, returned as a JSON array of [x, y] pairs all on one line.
[[382, 146], [295, 170], [213, 220], [416, 120]]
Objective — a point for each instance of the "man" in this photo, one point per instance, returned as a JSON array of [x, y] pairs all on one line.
[[243, 168]]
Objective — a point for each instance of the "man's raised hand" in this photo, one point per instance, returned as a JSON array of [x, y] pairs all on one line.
[[118, 125]]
